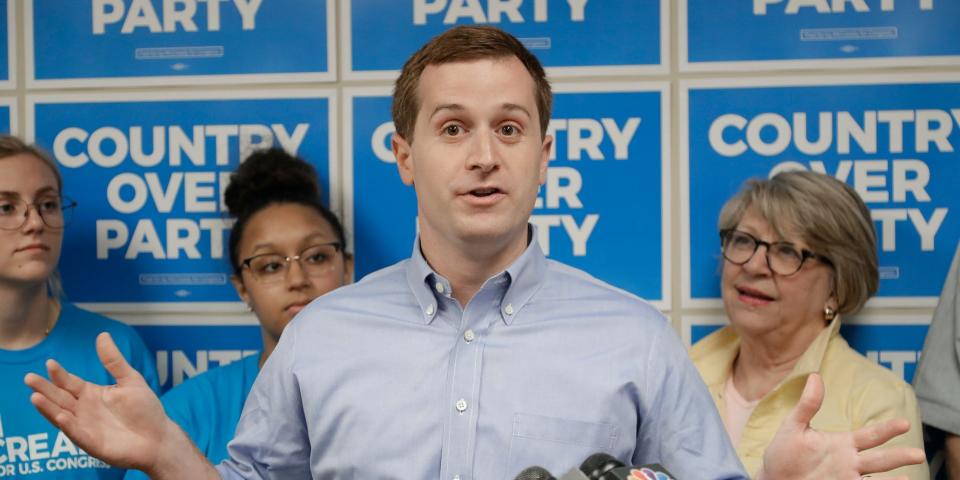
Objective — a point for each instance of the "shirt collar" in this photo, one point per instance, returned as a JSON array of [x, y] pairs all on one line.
[[726, 343], [811, 360], [524, 276]]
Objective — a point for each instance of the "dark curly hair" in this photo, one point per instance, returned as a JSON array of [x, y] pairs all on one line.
[[268, 177]]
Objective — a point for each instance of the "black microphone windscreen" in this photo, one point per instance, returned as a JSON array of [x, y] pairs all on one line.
[[535, 473], [651, 471], [599, 463]]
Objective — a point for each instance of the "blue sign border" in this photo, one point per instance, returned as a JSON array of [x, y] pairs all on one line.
[[11, 25], [11, 103], [554, 72], [330, 75], [687, 300], [686, 66], [664, 303], [330, 94]]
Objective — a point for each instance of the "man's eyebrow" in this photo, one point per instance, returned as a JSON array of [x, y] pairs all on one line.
[[456, 107], [510, 107]]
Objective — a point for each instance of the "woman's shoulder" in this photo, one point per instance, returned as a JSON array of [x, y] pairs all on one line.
[[869, 390], [78, 326], [81, 320], [232, 379], [850, 366]]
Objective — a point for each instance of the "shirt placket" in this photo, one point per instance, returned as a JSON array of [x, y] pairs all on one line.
[[463, 382]]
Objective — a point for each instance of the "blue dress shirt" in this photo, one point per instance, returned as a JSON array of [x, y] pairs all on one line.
[[390, 378]]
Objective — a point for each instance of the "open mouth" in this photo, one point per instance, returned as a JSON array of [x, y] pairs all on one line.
[[484, 192]]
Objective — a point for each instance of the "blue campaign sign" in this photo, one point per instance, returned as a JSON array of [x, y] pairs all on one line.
[[379, 210], [162, 42], [894, 342], [573, 37], [148, 172], [893, 142], [603, 199], [771, 34], [184, 351], [7, 109], [7, 36]]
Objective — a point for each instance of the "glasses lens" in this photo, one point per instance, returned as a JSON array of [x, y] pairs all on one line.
[[11, 214], [784, 258], [50, 209], [319, 259], [268, 268], [739, 247]]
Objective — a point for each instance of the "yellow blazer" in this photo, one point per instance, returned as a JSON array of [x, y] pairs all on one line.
[[858, 393]]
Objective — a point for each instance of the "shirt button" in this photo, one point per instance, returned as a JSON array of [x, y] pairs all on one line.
[[439, 287], [469, 336], [430, 310], [456, 477], [461, 405], [508, 309]]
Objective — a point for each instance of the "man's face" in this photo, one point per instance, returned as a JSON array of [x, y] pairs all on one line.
[[477, 157]]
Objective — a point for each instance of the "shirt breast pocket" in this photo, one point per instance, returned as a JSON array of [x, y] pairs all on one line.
[[555, 443]]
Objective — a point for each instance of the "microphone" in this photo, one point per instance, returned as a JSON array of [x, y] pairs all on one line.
[[535, 473], [601, 466], [593, 467], [651, 471], [596, 465]]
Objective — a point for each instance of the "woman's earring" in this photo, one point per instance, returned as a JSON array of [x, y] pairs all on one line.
[[829, 313]]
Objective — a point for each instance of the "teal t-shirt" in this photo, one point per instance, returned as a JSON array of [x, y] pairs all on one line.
[[30, 447], [207, 407]]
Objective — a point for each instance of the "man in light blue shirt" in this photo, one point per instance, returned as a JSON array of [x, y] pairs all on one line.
[[544, 366], [475, 358]]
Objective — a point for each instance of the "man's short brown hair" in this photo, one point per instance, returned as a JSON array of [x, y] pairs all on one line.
[[464, 43]]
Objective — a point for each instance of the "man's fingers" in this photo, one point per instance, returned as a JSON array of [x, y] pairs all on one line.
[[49, 409], [64, 379], [113, 360], [53, 393], [60, 418], [886, 459], [809, 404], [878, 433]]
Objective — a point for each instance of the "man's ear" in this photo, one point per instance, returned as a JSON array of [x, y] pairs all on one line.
[[545, 157], [404, 157]]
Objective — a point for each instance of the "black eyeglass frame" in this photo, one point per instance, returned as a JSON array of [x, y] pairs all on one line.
[[757, 243]]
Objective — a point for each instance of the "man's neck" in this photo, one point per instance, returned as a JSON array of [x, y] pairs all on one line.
[[467, 265]]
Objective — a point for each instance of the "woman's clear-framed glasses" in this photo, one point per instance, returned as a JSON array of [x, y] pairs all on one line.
[[55, 211], [315, 261]]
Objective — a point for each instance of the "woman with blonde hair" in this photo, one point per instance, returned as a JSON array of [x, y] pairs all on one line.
[[37, 324], [799, 253]]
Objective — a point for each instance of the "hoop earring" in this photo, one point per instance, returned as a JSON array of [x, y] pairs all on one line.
[[829, 313]]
